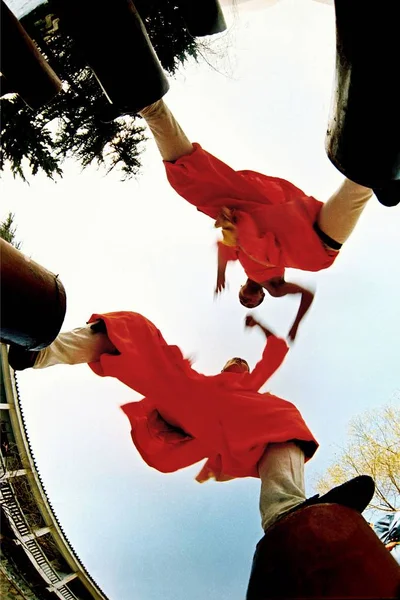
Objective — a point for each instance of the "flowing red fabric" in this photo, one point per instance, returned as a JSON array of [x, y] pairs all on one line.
[[186, 416], [255, 271], [274, 218]]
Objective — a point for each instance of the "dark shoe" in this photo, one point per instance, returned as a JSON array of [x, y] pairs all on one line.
[[111, 112], [356, 494], [98, 327], [390, 194], [20, 358], [202, 18]]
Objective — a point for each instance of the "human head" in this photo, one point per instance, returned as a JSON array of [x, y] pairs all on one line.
[[251, 294], [236, 365]]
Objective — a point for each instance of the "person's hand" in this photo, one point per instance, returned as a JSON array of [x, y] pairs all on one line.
[[293, 332], [250, 321], [220, 283], [391, 545]]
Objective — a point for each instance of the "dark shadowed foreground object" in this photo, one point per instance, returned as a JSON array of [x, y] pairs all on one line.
[[323, 551], [202, 17], [363, 138], [113, 40], [24, 70], [33, 301]]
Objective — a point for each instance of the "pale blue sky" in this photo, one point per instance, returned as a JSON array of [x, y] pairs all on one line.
[[138, 246]]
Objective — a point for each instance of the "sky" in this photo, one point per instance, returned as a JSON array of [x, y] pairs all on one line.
[[259, 100]]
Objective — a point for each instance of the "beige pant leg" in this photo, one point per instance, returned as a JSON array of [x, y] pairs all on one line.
[[340, 213], [168, 134], [78, 346], [281, 471]]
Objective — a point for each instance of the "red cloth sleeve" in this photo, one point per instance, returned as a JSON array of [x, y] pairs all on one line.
[[208, 183], [272, 358], [162, 446], [212, 468], [261, 248], [226, 253]]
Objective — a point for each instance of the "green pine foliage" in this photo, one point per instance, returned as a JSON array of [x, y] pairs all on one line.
[[70, 125], [7, 231]]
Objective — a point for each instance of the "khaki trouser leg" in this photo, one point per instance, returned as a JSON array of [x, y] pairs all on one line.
[[340, 213], [168, 134], [75, 347], [281, 471]]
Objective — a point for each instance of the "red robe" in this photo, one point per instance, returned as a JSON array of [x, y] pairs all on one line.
[[186, 416], [254, 270], [274, 218]]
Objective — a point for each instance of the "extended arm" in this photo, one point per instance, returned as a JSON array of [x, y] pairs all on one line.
[[221, 269], [272, 358], [280, 287], [225, 254], [250, 321]]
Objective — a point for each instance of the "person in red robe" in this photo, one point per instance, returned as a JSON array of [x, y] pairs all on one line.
[[186, 417], [267, 223]]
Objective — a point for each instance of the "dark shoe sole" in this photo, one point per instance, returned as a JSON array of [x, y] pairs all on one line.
[[19, 358], [390, 194], [355, 494]]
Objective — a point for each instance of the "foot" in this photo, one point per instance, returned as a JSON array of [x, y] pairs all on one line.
[[98, 326], [111, 112], [356, 494], [20, 358], [390, 194]]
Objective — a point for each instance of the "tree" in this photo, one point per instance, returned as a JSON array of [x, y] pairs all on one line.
[[70, 125], [7, 231], [373, 448]]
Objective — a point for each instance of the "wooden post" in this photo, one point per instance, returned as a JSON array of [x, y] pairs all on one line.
[[24, 69], [323, 551], [363, 138], [33, 301], [114, 41]]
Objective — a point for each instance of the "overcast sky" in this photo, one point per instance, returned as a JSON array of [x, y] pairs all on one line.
[[262, 103]]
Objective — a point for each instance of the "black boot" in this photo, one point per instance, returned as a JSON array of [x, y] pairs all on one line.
[[98, 326], [20, 358], [356, 494], [390, 194], [112, 39]]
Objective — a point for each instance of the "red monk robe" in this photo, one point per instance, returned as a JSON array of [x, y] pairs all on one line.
[[186, 416], [274, 218]]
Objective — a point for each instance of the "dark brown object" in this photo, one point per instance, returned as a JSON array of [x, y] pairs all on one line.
[[323, 551], [25, 70], [202, 17], [33, 301], [113, 40], [363, 138]]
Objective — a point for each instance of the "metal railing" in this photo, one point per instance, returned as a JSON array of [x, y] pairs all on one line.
[[35, 553]]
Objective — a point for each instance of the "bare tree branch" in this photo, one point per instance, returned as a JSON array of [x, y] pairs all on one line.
[[373, 448]]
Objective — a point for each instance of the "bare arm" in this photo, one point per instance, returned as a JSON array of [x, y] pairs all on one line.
[[250, 321], [280, 287], [272, 358], [221, 269], [225, 254]]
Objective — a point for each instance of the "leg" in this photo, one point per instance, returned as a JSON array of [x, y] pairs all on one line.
[[281, 471], [340, 213], [168, 134], [81, 345]]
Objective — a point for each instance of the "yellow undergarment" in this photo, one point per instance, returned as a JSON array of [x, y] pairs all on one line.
[[229, 233]]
